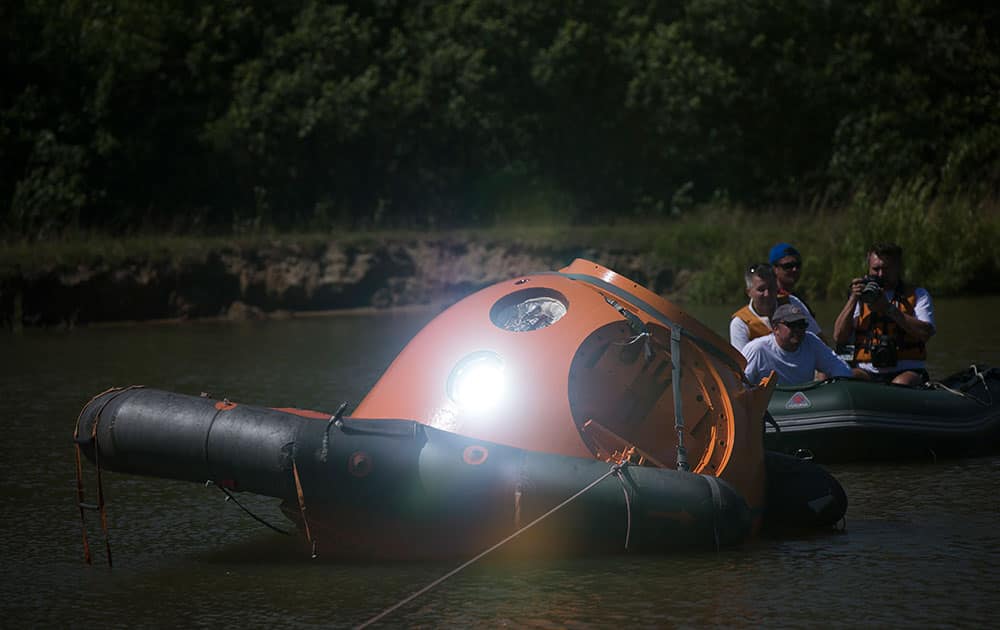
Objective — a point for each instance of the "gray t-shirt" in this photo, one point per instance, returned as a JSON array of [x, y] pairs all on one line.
[[739, 332], [764, 354]]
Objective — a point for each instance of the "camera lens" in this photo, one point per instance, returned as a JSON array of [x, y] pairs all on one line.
[[869, 294]]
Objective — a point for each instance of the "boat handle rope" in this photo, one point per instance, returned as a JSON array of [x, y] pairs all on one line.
[[301, 500], [231, 497], [302, 507], [616, 469], [628, 506], [335, 419], [977, 375], [81, 502]]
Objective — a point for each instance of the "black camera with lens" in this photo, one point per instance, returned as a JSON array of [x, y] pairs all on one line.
[[884, 352], [871, 290]]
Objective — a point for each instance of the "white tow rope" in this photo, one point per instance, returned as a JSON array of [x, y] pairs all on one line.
[[615, 470]]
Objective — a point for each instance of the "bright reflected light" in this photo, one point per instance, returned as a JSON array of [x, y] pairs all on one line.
[[478, 382]]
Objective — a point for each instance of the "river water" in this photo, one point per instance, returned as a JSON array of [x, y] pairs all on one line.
[[921, 545]]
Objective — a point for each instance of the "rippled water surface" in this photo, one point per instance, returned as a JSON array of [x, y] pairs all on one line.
[[921, 545]]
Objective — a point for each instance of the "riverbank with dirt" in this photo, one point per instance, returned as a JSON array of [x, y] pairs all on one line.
[[696, 258], [278, 278]]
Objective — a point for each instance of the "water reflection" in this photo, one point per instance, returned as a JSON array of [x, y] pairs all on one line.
[[921, 545]]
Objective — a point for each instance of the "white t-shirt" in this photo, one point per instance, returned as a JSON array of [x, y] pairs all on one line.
[[924, 311], [764, 354], [739, 332]]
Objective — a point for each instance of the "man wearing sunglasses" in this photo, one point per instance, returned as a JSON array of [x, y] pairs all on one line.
[[753, 320], [787, 263], [793, 353]]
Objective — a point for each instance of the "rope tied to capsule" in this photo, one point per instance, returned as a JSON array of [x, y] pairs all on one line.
[[615, 470]]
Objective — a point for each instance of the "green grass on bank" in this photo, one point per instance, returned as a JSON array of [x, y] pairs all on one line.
[[950, 244], [92, 249]]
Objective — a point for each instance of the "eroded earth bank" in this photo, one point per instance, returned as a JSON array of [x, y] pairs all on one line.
[[281, 278]]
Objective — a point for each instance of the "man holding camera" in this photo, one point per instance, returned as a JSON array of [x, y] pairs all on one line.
[[888, 321]]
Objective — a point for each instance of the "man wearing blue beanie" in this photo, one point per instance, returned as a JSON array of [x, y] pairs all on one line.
[[787, 264]]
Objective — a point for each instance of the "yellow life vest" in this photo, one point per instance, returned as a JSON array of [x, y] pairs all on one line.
[[757, 327], [869, 325]]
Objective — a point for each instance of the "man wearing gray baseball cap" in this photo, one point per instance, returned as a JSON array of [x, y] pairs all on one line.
[[793, 353]]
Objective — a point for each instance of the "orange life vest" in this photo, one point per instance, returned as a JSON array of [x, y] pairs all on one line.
[[757, 327], [869, 325]]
